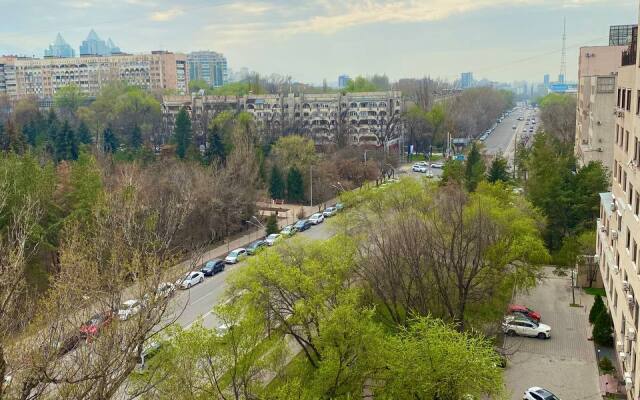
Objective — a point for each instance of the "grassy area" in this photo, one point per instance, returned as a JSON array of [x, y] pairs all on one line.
[[595, 292]]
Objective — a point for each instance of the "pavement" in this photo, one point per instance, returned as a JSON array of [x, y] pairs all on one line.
[[566, 363], [503, 138]]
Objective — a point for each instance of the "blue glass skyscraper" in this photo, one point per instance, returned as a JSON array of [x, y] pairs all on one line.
[[94, 46], [59, 48]]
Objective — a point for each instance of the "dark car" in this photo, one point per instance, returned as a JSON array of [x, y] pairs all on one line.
[[93, 326], [303, 225], [212, 267], [256, 247]]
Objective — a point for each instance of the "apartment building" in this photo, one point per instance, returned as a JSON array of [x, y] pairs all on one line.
[[208, 66], [24, 77], [618, 234], [595, 119], [363, 118]]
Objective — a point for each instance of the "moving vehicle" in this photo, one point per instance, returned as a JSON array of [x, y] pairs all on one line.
[[438, 165], [190, 279], [422, 163], [329, 212], [212, 267], [538, 393], [515, 325], [288, 230], [236, 256], [419, 168], [302, 225], [272, 239], [524, 311], [316, 218], [95, 324], [514, 127], [256, 247], [128, 309]]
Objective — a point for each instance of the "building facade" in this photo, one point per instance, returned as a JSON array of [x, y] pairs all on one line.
[[597, 70], [59, 48], [371, 118], [466, 80], [343, 81], [208, 66], [94, 46], [24, 77], [618, 228], [620, 35]]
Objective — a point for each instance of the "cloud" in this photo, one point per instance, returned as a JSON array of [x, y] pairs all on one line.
[[249, 7], [167, 15]]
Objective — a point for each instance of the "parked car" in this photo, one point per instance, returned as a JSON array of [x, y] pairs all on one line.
[[515, 325], [272, 239], [96, 324], [128, 309], [256, 247], [438, 165], [236, 256], [329, 212], [525, 311], [190, 279], [165, 290], [288, 230], [316, 218], [537, 393], [419, 168], [302, 225], [422, 163], [339, 206], [212, 267]]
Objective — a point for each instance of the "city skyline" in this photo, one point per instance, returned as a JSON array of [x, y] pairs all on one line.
[[494, 39]]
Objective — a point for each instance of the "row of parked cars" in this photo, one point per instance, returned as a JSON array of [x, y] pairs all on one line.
[[423, 167]]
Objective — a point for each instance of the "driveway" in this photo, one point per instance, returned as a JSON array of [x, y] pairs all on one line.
[[565, 363]]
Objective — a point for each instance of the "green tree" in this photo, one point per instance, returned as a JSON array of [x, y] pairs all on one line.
[[215, 149], [474, 169], [558, 117], [182, 133], [498, 170], [83, 133], [66, 144], [295, 186], [198, 84], [30, 132], [452, 172], [603, 329], [360, 84], [277, 184], [5, 145], [596, 309], [68, 98], [110, 140], [272, 224], [136, 137]]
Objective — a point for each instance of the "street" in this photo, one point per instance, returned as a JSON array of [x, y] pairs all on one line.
[[503, 138]]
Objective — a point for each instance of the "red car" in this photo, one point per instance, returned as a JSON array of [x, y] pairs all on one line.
[[525, 311], [92, 327]]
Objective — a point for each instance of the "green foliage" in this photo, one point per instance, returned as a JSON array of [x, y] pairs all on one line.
[[606, 366], [66, 144], [277, 184], [295, 186], [498, 170], [182, 133], [215, 149], [603, 329], [574, 246], [272, 224], [596, 309], [69, 98], [198, 84], [110, 141], [84, 135], [474, 168], [360, 84], [237, 89], [136, 137], [453, 172], [558, 117]]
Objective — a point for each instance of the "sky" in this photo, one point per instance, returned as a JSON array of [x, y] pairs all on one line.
[[312, 40]]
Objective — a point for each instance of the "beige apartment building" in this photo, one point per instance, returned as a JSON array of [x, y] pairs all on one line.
[[595, 119], [25, 77], [618, 235]]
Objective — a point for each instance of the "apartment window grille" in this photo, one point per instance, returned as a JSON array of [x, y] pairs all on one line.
[[606, 84]]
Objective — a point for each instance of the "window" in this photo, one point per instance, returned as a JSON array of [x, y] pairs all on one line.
[[634, 251], [615, 168], [626, 142], [628, 241], [624, 97], [630, 194], [637, 210], [638, 103], [606, 84], [624, 181], [619, 173], [628, 99], [635, 148], [617, 134], [618, 103]]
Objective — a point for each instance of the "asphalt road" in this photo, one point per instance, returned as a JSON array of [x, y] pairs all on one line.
[[191, 304], [502, 140]]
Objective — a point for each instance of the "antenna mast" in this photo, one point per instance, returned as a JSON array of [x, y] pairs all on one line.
[[563, 58]]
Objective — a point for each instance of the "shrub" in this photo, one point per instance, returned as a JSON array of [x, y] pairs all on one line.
[[603, 329], [596, 309], [605, 365], [272, 224]]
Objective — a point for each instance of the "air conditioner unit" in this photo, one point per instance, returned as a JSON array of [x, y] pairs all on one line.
[[603, 228], [615, 269], [622, 356], [630, 299], [631, 334], [628, 383], [614, 234], [627, 375], [614, 206], [621, 114], [620, 345], [625, 285], [585, 141]]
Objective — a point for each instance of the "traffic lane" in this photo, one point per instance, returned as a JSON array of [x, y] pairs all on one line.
[[191, 304], [502, 135]]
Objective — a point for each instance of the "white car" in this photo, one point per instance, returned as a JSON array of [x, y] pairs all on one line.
[[424, 163], [513, 325], [329, 212], [190, 279], [273, 238], [236, 256], [438, 165], [419, 168], [537, 393], [316, 218], [128, 309], [165, 290]]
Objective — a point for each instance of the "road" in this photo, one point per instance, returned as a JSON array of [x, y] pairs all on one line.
[[503, 138]]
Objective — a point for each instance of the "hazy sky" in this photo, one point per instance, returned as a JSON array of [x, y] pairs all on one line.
[[310, 40]]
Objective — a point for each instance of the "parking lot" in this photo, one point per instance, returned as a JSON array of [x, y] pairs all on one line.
[[566, 363]]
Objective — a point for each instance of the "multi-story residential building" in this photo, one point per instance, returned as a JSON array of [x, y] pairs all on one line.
[[620, 35], [597, 70], [343, 81], [371, 118], [618, 234], [23, 77], [94, 46], [209, 66], [59, 48], [546, 80], [466, 80]]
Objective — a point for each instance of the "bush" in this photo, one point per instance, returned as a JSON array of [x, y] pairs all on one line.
[[597, 308], [605, 365], [603, 329], [272, 224]]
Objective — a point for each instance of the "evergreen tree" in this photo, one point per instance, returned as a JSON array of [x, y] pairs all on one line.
[[498, 170], [5, 144], [276, 186], [272, 224], [474, 169], [30, 132], [17, 143], [66, 144], [136, 137], [603, 329], [110, 140], [295, 186], [597, 308], [215, 149], [182, 133], [84, 136]]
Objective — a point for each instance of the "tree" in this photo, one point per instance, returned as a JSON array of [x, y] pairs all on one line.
[[474, 168], [83, 133], [360, 84], [295, 186], [277, 184], [66, 144], [136, 137], [558, 117], [68, 98], [596, 309], [272, 224], [198, 84], [603, 329], [294, 151], [110, 140], [498, 170], [182, 133], [215, 149], [453, 172]]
